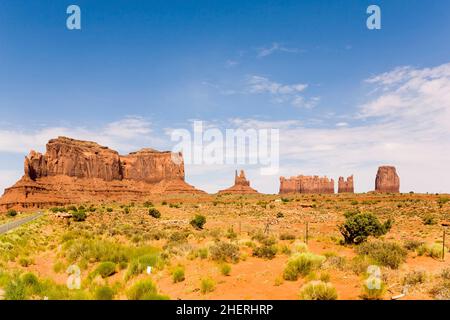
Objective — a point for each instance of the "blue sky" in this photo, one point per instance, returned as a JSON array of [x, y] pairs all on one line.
[[138, 68]]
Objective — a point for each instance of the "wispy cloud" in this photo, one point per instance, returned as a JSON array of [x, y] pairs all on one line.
[[281, 93], [127, 134], [273, 48]]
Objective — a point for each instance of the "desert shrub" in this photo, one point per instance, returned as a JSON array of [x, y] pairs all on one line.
[[207, 285], [25, 262], [354, 202], [154, 213], [148, 204], [224, 252], [144, 290], [441, 290], [287, 236], [59, 267], [126, 210], [72, 208], [445, 274], [299, 247], [387, 254], [104, 293], [22, 287], [198, 221], [318, 290], [106, 269], [11, 213], [225, 269], [231, 234], [429, 220], [265, 251], [357, 228], [412, 245], [79, 215], [302, 264], [443, 200], [109, 209], [280, 215], [178, 274], [434, 250], [373, 292], [415, 277]]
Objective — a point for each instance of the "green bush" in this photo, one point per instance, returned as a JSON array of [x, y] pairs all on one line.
[[79, 215], [225, 269], [224, 252], [432, 250], [358, 227], [109, 209], [11, 213], [302, 264], [207, 285], [178, 274], [148, 204], [106, 269], [265, 251], [287, 236], [144, 290], [387, 254], [154, 213], [429, 220], [318, 290], [373, 292], [198, 221], [104, 293], [415, 277]]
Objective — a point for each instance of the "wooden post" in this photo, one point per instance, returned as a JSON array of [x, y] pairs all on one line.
[[306, 232], [443, 245]]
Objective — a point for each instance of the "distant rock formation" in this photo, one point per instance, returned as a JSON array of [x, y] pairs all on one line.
[[74, 171], [345, 186], [241, 185], [387, 180], [306, 184]]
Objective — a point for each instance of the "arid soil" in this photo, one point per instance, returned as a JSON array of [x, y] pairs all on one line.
[[222, 260]]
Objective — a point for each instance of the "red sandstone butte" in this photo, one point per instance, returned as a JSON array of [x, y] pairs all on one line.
[[241, 185], [387, 180], [74, 171], [306, 184], [345, 186]]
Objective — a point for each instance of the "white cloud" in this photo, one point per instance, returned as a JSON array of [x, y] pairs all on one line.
[[281, 93], [275, 47], [128, 134]]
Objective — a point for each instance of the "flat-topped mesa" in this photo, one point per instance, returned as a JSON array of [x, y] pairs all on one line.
[[85, 159], [151, 166], [74, 158], [74, 171], [306, 184], [345, 186], [241, 185], [387, 180]]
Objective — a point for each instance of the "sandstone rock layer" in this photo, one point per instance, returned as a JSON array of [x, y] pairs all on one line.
[[241, 185], [346, 186], [306, 184], [387, 180], [73, 171]]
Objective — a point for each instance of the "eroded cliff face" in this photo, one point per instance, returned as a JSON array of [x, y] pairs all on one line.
[[241, 185], [306, 184], [387, 180], [74, 171], [151, 166], [346, 186], [74, 158]]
